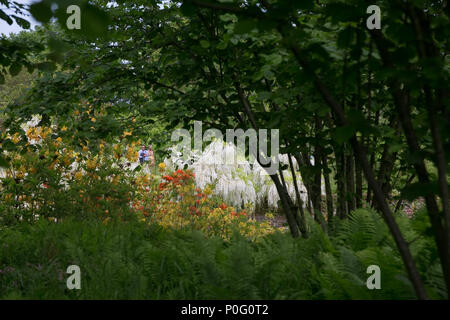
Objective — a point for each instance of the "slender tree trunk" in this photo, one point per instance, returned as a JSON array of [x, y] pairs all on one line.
[[329, 196], [303, 162], [350, 181], [317, 182], [286, 201], [342, 190], [358, 169], [300, 219], [287, 206], [372, 156], [359, 184]]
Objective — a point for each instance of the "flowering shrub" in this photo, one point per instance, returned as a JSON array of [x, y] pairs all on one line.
[[177, 203], [240, 182], [49, 177]]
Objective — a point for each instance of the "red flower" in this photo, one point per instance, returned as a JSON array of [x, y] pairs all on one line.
[[223, 206]]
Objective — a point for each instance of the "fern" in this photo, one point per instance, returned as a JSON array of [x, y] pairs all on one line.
[[137, 261]]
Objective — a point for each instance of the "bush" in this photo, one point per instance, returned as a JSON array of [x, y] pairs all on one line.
[[132, 260]]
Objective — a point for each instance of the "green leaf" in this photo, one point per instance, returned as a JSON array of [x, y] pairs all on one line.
[[15, 69], [222, 45], [273, 59], [228, 17], [5, 17], [345, 37], [204, 44], [269, 75], [8, 145], [46, 66], [94, 21], [418, 189], [188, 9], [303, 4], [395, 147], [41, 11], [343, 134], [22, 22], [3, 162], [343, 12], [245, 26], [263, 95]]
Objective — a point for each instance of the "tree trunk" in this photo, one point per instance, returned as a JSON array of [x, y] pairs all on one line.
[[326, 176], [350, 181]]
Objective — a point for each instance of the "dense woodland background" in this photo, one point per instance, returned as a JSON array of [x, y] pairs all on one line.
[[371, 106]]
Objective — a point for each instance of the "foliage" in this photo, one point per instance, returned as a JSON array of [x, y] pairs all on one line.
[[371, 106], [237, 180], [177, 203], [48, 179], [139, 261]]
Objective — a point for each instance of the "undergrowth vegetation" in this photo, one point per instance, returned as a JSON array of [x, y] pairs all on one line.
[[134, 260]]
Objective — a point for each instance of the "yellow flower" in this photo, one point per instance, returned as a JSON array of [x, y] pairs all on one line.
[[32, 134], [64, 128], [44, 132], [93, 119], [162, 165], [91, 164], [269, 215], [207, 190], [15, 138], [67, 161], [127, 133]]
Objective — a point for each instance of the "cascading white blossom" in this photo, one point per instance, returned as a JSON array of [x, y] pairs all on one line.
[[234, 179]]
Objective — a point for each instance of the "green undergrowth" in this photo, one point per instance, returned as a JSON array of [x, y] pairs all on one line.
[[131, 260]]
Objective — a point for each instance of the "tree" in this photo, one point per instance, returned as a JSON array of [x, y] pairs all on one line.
[[368, 105]]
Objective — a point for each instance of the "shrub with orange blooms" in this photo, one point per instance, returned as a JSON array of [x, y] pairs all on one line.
[[50, 177], [47, 177], [177, 203]]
